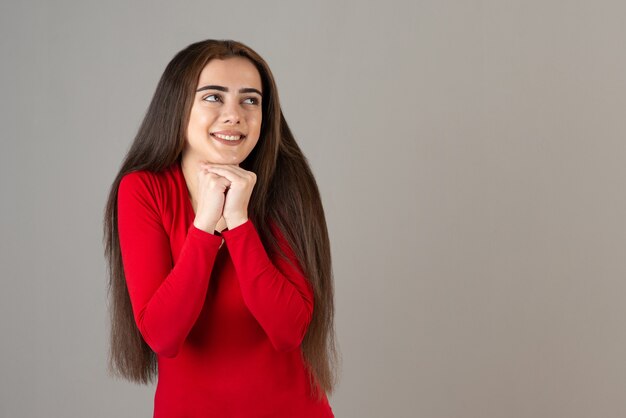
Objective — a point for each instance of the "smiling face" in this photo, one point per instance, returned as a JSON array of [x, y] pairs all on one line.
[[225, 119]]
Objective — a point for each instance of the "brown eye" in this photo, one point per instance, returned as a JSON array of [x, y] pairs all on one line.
[[254, 100], [211, 95]]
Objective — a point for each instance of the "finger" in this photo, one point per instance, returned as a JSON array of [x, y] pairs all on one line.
[[230, 167], [215, 178], [225, 172], [244, 175]]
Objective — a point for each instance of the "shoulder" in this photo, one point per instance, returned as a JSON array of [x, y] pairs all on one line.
[[135, 184], [135, 179], [148, 186], [147, 179]]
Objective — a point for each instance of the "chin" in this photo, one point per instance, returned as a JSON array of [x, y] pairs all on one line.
[[222, 159]]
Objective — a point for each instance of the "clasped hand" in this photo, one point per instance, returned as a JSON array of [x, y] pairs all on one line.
[[224, 190]]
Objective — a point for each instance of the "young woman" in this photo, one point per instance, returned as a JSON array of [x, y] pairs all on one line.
[[220, 276]]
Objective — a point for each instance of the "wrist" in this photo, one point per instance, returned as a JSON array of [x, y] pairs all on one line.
[[232, 223], [205, 226]]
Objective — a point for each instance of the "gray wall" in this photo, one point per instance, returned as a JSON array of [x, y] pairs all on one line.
[[471, 158]]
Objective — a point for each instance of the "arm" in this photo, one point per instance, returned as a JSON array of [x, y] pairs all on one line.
[[166, 299], [276, 293]]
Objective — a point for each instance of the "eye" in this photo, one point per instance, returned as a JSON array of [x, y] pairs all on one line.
[[254, 100], [212, 95]]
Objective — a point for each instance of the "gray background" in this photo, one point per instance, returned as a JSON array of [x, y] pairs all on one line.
[[470, 156]]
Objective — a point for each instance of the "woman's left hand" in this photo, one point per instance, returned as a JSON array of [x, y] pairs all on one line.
[[238, 195]]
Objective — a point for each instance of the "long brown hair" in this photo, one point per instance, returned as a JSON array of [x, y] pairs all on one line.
[[285, 193]]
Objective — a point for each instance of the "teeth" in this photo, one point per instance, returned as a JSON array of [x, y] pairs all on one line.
[[228, 137]]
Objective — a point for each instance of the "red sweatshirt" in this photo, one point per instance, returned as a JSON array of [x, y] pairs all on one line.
[[226, 321]]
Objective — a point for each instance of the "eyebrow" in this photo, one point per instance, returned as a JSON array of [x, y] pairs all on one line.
[[222, 88]]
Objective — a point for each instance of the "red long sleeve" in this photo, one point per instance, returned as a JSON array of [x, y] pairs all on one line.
[[166, 298], [225, 318], [282, 303]]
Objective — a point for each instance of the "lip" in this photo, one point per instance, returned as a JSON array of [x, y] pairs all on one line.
[[226, 142], [233, 133]]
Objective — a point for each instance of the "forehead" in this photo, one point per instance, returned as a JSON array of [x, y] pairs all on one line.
[[230, 72]]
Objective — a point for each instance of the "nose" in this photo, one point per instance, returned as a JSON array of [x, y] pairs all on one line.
[[231, 112]]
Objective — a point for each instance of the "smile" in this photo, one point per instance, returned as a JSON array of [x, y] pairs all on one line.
[[229, 137]]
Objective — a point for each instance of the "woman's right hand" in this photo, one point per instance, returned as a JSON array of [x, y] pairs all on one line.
[[211, 196]]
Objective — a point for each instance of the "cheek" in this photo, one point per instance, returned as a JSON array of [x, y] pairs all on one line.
[[256, 121], [193, 121], [203, 119], [197, 129], [200, 118]]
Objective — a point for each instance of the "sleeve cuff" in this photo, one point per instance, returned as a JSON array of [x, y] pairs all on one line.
[[204, 236], [239, 230]]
